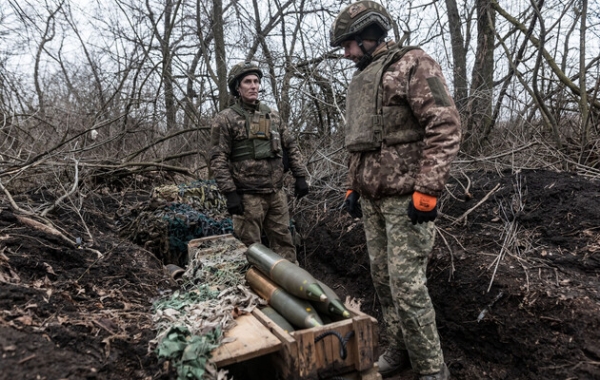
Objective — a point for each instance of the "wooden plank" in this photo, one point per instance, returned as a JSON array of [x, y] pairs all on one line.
[[364, 334], [273, 327], [286, 360], [307, 359], [253, 339], [328, 349]]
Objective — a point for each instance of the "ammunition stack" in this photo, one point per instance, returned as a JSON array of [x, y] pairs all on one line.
[[305, 332], [291, 290]]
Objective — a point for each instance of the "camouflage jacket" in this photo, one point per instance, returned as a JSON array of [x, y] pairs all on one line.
[[421, 165], [251, 175]]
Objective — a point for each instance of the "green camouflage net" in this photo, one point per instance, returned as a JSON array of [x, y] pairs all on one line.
[[175, 215], [192, 321]]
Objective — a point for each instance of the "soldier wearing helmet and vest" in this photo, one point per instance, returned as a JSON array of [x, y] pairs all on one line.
[[247, 144], [402, 133]]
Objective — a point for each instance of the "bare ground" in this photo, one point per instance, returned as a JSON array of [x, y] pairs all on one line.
[[514, 278]]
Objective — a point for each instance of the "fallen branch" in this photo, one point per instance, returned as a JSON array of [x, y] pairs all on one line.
[[44, 228], [463, 216], [12, 201], [53, 231]]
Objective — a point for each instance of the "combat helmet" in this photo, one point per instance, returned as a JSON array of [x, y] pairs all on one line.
[[239, 71], [355, 18]]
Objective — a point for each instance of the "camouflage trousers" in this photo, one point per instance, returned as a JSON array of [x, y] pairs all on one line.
[[266, 213], [398, 254]]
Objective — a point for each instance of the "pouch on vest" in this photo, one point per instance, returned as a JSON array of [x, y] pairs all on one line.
[[276, 142], [259, 126], [262, 149]]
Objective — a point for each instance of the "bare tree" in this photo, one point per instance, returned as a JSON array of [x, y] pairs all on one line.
[[479, 113]]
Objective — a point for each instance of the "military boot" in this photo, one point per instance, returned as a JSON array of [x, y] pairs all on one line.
[[393, 360], [444, 374]]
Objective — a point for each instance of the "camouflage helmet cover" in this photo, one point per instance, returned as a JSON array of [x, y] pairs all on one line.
[[239, 71], [355, 18]]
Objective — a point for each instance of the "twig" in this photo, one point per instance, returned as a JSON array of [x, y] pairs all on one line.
[[463, 216], [489, 306], [13, 203], [61, 198], [27, 359], [450, 250]]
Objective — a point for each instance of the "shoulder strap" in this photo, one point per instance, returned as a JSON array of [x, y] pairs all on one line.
[[392, 58]]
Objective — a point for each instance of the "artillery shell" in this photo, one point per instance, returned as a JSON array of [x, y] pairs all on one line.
[[279, 319], [297, 311], [286, 274], [333, 306]]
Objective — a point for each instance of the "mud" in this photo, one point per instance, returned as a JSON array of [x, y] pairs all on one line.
[[514, 278]]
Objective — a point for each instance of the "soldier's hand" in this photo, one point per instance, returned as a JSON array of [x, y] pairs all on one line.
[[300, 188], [234, 203], [422, 208], [351, 204]]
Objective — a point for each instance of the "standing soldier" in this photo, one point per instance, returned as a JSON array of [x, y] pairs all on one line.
[[248, 141], [402, 133]]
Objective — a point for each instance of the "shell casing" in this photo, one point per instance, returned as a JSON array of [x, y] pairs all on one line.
[[298, 312], [286, 274]]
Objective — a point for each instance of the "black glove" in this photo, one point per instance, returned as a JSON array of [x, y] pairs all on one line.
[[300, 188], [425, 202], [234, 203], [351, 204]]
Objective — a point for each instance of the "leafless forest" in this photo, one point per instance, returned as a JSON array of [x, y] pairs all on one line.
[[97, 90]]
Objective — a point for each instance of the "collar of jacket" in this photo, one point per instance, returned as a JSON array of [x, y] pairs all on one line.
[[249, 107], [379, 52], [383, 48]]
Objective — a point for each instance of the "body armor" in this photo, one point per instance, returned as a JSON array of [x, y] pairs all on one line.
[[263, 138], [368, 122]]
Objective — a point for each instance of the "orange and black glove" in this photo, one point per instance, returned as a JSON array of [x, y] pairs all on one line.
[[422, 208], [351, 204]]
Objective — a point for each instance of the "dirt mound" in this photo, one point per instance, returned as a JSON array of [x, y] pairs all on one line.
[[514, 277]]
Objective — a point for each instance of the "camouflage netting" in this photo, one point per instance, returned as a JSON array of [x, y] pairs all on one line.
[[175, 215], [192, 321]]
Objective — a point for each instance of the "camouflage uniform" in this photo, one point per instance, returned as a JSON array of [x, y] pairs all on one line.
[[386, 178], [259, 180]]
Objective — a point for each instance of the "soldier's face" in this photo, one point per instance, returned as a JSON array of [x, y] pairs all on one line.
[[353, 52], [248, 88]]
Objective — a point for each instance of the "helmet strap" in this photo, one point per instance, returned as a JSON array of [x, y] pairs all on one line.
[[367, 57]]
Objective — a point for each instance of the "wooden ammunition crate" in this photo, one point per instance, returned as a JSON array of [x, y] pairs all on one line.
[[264, 351]]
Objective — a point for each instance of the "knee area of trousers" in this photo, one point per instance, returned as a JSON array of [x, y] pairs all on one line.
[[421, 321]]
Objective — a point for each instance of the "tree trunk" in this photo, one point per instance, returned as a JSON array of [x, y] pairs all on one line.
[[220, 57], [479, 114], [459, 56]]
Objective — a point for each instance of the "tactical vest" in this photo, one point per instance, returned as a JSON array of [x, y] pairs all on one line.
[[368, 122], [263, 138]]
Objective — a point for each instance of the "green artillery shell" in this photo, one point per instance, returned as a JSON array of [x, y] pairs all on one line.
[[333, 306], [286, 274], [299, 312], [278, 319]]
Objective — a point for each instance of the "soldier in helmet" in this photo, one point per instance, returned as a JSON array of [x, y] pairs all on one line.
[[248, 140], [402, 133]]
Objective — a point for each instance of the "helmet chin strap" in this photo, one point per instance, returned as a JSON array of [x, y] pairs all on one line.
[[367, 58]]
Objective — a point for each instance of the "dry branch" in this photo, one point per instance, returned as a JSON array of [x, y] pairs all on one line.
[[463, 216]]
